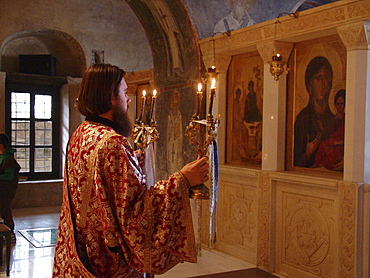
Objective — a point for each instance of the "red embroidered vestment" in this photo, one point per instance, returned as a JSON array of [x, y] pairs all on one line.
[[128, 229]]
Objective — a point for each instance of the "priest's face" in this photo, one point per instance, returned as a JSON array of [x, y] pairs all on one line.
[[122, 98], [120, 109]]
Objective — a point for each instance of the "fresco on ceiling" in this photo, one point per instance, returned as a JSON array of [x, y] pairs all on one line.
[[218, 16]]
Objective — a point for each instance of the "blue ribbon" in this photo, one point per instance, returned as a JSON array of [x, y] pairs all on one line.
[[214, 194]]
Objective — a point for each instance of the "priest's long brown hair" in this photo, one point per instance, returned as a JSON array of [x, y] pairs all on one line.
[[99, 84]]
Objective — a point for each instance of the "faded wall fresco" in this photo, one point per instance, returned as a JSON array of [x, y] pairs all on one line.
[[214, 16], [174, 110], [171, 38]]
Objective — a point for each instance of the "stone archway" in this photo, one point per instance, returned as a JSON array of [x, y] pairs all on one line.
[[68, 52], [172, 40]]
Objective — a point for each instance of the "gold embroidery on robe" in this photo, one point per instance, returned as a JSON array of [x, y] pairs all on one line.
[[151, 229]]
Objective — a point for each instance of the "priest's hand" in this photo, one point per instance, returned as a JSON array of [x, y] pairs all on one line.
[[140, 156], [197, 171]]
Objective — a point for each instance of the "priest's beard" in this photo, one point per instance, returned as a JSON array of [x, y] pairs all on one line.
[[122, 122]]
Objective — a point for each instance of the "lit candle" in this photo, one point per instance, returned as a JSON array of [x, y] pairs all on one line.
[[199, 99], [277, 57], [213, 91], [152, 105], [142, 112], [200, 88]]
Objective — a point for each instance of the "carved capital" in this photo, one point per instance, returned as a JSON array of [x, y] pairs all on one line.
[[221, 62], [267, 50], [211, 58], [355, 36]]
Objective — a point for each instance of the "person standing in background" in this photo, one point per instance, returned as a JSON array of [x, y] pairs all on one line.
[[9, 171]]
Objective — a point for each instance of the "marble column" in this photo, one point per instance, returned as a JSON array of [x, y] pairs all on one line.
[[356, 38], [274, 107], [357, 125]]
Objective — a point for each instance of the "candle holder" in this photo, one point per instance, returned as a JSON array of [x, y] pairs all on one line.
[[144, 134], [277, 66], [201, 133]]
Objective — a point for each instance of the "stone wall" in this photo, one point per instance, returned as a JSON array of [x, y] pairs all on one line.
[[38, 194], [108, 26]]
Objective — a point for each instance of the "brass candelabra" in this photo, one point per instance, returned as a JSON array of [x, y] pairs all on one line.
[[201, 133], [144, 134]]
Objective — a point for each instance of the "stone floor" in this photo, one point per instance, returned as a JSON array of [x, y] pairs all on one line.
[[244, 273], [29, 261]]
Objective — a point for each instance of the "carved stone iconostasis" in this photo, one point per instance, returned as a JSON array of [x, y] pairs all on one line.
[[288, 216]]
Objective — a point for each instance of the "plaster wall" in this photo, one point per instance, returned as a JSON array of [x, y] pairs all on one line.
[[97, 25], [38, 194]]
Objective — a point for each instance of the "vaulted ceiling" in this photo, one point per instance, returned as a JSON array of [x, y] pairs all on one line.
[[173, 27], [134, 34]]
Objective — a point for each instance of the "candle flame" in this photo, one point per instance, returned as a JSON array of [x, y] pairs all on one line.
[[213, 84], [155, 92], [199, 87], [144, 93]]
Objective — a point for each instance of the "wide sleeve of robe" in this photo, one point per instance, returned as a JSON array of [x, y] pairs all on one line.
[[153, 227]]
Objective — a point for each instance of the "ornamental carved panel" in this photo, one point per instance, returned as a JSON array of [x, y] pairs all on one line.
[[348, 216], [238, 217], [264, 220], [307, 233]]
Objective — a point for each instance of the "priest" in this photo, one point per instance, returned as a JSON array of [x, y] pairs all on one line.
[[112, 224]]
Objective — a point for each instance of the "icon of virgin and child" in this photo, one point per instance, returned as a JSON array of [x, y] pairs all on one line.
[[318, 131]]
